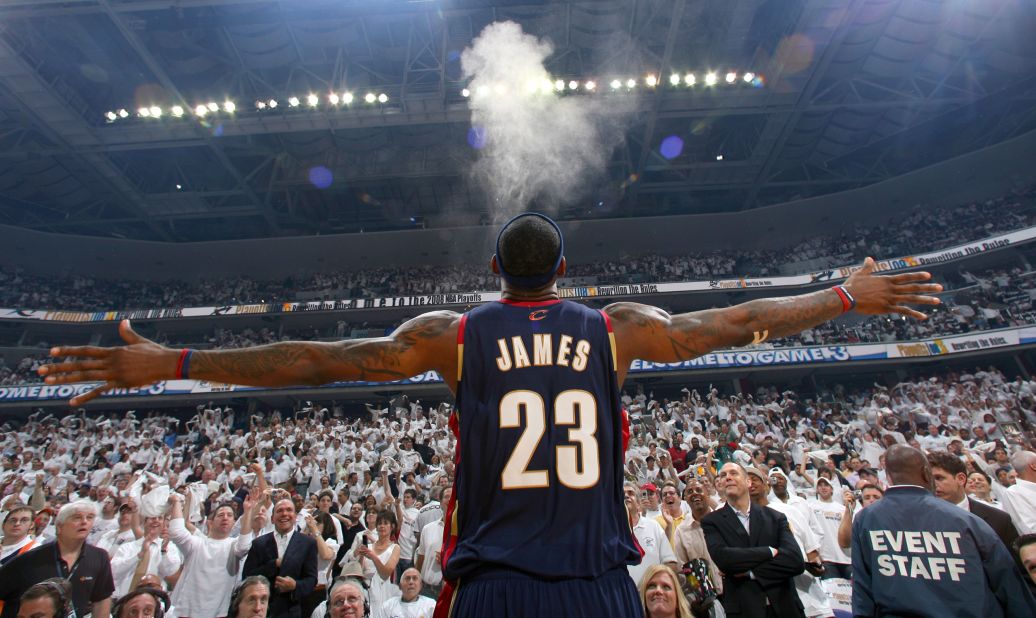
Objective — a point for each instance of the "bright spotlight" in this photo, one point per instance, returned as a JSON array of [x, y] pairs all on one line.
[[573, 85], [559, 85], [156, 111], [690, 79], [719, 157], [465, 93], [144, 112], [213, 107], [111, 116], [123, 113], [347, 97], [590, 86], [229, 107], [631, 83], [710, 79], [272, 103], [674, 79], [748, 77], [312, 100], [201, 110], [731, 77], [332, 99], [293, 101], [177, 111], [382, 98], [260, 104], [370, 97], [651, 81], [179, 187], [531, 85], [616, 84]]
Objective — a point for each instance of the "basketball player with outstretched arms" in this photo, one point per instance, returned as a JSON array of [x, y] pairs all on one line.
[[537, 524]]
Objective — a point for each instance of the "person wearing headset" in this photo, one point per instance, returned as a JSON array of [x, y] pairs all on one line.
[[347, 599], [142, 602], [48, 599], [251, 598]]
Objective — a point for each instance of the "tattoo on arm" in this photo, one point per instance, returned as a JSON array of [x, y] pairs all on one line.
[[298, 362], [654, 335]]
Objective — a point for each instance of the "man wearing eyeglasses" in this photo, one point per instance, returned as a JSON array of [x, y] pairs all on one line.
[[16, 538], [86, 568], [347, 599]]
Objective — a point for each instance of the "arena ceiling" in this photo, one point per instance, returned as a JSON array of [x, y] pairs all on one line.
[[856, 91]]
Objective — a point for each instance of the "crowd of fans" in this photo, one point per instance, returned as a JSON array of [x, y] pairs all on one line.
[[924, 229], [195, 511]]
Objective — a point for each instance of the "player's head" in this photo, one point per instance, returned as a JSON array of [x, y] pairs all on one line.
[[530, 252]]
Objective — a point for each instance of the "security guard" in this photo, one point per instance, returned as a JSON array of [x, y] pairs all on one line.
[[916, 555]]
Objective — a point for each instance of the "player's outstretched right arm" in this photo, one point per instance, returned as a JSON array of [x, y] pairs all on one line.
[[648, 333], [427, 342]]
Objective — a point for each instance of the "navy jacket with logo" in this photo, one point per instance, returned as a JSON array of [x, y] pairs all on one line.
[[916, 555]]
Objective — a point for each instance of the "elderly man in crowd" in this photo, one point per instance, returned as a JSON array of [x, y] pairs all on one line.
[[410, 603], [86, 567]]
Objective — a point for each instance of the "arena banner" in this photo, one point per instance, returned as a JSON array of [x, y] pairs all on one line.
[[728, 359], [431, 301]]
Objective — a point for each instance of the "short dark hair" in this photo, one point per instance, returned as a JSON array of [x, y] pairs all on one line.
[[56, 589], [1023, 541], [876, 488], [18, 508], [529, 247], [984, 475], [387, 516], [948, 462]]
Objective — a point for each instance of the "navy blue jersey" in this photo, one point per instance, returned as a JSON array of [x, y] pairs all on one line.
[[539, 454]]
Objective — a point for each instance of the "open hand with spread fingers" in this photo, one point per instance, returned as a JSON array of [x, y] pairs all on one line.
[[138, 363], [877, 294]]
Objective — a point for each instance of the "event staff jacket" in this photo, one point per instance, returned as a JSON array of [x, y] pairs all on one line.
[[916, 555]]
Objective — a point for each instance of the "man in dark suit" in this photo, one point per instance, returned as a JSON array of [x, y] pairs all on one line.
[[950, 478], [288, 559], [754, 548]]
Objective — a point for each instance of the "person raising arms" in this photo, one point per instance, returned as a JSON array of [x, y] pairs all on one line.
[[537, 386]]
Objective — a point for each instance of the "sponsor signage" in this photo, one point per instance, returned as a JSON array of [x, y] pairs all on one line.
[[812, 355]]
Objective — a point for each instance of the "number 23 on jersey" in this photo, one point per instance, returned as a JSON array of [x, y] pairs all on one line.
[[578, 464]]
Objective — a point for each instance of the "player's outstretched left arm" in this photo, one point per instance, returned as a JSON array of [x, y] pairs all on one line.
[[427, 342], [648, 333]]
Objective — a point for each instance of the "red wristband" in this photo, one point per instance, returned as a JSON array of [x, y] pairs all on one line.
[[848, 302], [180, 363]]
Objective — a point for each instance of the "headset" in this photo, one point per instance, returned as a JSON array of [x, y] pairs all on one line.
[[61, 589], [161, 600], [354, 580]]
